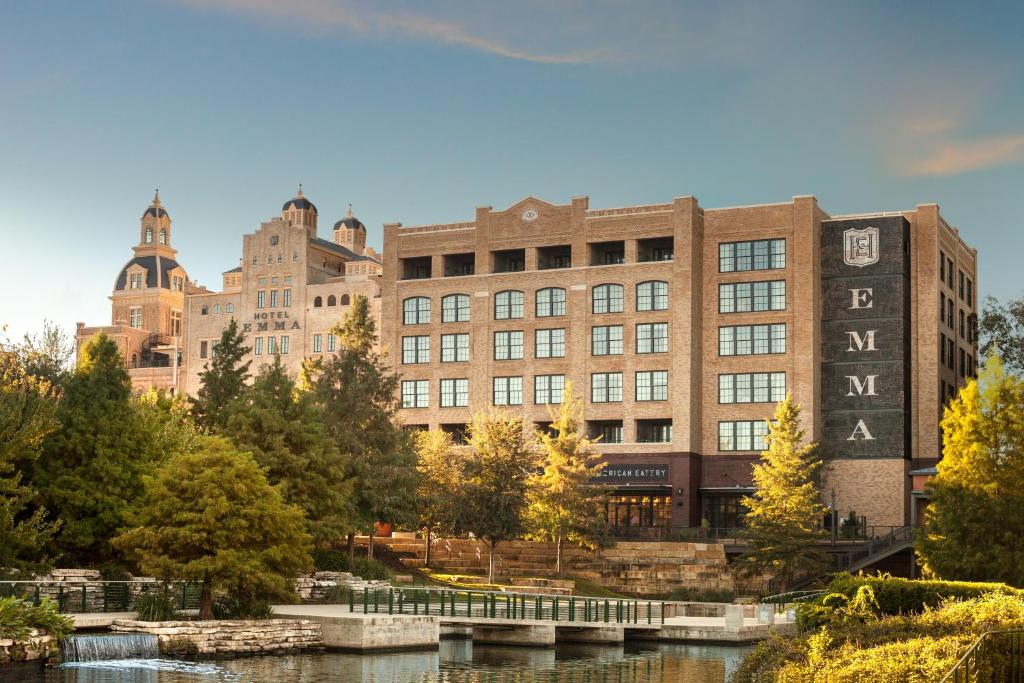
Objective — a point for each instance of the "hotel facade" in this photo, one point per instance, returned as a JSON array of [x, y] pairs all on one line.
[[679, 327]]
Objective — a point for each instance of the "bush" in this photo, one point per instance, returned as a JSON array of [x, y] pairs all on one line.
[[910, 596], [19, 617], [155, 606], [235, 607], [333, 560], [701, 595]]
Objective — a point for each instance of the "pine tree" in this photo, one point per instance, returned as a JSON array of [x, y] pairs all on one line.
[[359, 398], [284, 430], [438, 497], [973, 520], [222, 380], [784, 514], [564, 504], [90, 469], [211, 517], [494, 490], [27, 416]]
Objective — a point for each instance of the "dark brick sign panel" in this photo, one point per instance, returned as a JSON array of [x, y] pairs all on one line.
[[865, 337]]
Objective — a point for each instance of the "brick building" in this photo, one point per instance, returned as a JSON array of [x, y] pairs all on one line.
[[680, 327]]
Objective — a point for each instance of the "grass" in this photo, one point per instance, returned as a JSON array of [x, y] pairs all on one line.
[[584, 587]]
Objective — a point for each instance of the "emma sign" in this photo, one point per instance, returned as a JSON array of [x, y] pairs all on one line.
[[865, 339]]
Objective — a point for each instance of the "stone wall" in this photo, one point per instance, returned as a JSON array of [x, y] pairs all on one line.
[[223, 638], [33, 648], [327, 586]]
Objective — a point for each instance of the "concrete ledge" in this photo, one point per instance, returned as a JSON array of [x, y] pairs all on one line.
[[525, 635], [363, 632], [607, 635]]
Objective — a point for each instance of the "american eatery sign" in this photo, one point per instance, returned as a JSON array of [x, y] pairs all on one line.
[[865, 337]]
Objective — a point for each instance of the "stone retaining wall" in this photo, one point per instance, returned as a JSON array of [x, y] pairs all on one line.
[[225, 638], [324, 586], [33, 648]]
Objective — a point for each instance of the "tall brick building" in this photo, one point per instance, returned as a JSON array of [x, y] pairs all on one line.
[[680, 327]]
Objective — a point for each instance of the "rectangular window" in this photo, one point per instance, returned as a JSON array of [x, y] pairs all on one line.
[[652, 338], [652, 385], [202, 349], [331, 341], [744, 340], [136, 280], [758, 255], [549, 343], [548, 388], [757, 387], [287, 298], [970, 292], [606, 387], [415, 350], [744, 297], [611, 433], [454, 393], [415, 393], [454, 348], [257, 347], [606, 340], [942, 266], [271, 345], [960, 273], [273, 298], [652, 296], [508, 391], [949, 272], [742, 435], [654, 431], [216, 309], [550, 302], [508, 345], [135, 317], [285, 343], [455, 308], [963, 326], [318, 343]]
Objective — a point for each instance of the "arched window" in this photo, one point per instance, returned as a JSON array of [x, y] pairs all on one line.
[[508, 304], [149, 235], [135, 360], [550, 301], [332, 300], [652, 296], [455, 308], [607, 299], [205, 310], [345, 301], [416, 311], [318, 302], [163, 236]]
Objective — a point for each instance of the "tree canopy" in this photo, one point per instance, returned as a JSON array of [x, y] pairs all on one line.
[[222, 379], [1001, 333]]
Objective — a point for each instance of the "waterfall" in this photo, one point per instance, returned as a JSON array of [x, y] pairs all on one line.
[[112, 647]]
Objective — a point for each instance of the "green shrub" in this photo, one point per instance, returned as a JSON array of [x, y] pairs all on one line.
[[910, 596], [236, 607], [18, 617], [701, 595], [155, 606], [918, 659], [333, 560]]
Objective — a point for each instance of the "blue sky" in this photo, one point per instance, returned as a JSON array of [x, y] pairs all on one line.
[[420, 111]]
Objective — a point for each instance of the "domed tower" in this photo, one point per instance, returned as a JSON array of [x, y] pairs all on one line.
[[155, 225], [350, 233], [300, 211]]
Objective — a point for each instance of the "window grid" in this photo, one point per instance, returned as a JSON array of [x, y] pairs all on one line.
[[606, 340], [756, 255], [607, 299], [454, 393], [757, 387], [745, 340], [455, 308], [652, 385], [550, 343], [454, 348], [744, 297], [548, 388], [606, 387], [415, 393], [415, 350], [550, 302], [416, 311], [743, 435], [508, 345], [652, 296], [652, 338], [508, 305], [507, 391], [318, 343]]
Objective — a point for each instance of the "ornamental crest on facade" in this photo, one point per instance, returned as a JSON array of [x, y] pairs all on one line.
[[860, 247]]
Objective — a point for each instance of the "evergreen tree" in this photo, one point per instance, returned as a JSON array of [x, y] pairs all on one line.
[[784, 514], [222, 380], [564, 504], [440, 466], [973, 521], [494, 490], [284, 430], [27, 416], [47, 355], [90, 468], [211, 517], [359, 398], [165, 425]]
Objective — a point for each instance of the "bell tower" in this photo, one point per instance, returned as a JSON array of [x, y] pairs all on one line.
[[350, 233], [300, 212], [155, 226]]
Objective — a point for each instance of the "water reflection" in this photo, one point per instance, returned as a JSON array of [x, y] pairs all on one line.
[[457, 661]]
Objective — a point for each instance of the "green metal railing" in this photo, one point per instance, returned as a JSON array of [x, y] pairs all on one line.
[[996, 656], [782, 600], [500, 605], [100, 596]]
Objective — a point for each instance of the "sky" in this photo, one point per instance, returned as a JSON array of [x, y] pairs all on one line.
[[417, 112]]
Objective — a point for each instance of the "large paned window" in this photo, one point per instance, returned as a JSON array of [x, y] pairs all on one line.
[[744, 297], [652, 385], [416, 310], [550, 343], [135, 317], [454, 348], [285, 344], [508, 345], [652, 338], [508, 305], [508, 391], [742, 435], [639, 511], [454, 393], [746, 340], [607, 299], [606, 340], [261, 299], [455, 308], [548, 388], [606, 387], [318, 343], [550, 302], [757, 255], [752, 387], [415, 393], [416, 349], [257, 346], [652, 296]]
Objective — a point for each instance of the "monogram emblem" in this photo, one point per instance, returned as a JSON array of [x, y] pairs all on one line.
[[860, 247]]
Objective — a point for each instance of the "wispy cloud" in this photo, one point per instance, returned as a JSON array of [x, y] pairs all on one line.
[[352, 17], [963, 156]]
